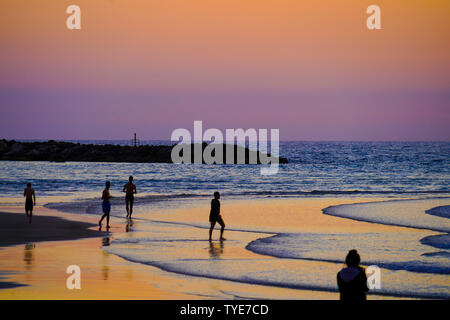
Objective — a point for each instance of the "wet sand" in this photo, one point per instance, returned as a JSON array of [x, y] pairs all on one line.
[[37, 270], [16, 229]]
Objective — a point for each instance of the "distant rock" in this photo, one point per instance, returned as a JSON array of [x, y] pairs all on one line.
[[68, 151]]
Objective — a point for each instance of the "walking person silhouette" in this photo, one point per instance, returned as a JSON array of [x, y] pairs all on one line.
[[130, 190], [106, 206], [214, 216], [29, 195]]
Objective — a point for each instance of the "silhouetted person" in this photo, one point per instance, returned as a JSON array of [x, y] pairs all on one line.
[[106, 206], [214, 216], [29, 195], [130, 190], [352, 281]]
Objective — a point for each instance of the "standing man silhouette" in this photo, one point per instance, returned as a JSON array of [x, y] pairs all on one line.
[[214, 216], [106, 206], [29, 195], [130, 190]]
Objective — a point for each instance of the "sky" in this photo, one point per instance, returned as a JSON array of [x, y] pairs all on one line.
[[311, 69]]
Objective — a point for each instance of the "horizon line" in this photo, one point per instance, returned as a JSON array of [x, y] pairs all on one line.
[[287, 140]]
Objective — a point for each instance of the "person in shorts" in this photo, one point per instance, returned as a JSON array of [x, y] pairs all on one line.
[[130, 190], [106, 206], [215, 217], [29, 195]]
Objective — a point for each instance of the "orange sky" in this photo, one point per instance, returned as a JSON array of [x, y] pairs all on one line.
[[226, 45], [226, 42]]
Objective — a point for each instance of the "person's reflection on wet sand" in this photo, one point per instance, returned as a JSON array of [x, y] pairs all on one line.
[[106, 241], [28, 259], [129, 225], [215, 249], [28, 256], [105, 268]]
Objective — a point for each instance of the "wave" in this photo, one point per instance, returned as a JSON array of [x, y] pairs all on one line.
[[441, 241], [376, 249], [335, 192], [93, 205], [444, 254], [441, 211], [404, 213], [298, 251], [195, 258]]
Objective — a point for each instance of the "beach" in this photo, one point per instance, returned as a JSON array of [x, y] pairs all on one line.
[[165, 253], [316, 136]]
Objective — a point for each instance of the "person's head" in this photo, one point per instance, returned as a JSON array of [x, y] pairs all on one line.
[[108, 184], [216, 195], [29, 185], [353, 259], [130, 179]]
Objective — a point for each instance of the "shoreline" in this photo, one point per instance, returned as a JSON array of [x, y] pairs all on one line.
[[191, 217], [145, 281], [15, 229]]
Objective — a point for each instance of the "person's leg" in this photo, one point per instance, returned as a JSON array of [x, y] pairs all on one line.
[[31, 213], [100, 222], [213, 223], [222, 224], [27, 208], [107, 221], [127, 205], [131, 206]]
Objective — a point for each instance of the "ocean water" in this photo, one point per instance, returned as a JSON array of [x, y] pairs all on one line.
[[414, 264], [410, 251], [315, 168]]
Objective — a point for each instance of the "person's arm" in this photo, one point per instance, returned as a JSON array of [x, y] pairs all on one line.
[[34, 197], [24, 192], [134, 189], [124, 188]]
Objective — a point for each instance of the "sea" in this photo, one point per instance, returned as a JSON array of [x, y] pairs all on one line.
[[416, 175], [314, 168]]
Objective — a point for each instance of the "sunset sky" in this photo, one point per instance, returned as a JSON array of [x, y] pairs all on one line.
[[310, 68]]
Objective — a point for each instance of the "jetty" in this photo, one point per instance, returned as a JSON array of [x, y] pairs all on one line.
[[60, 151]]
